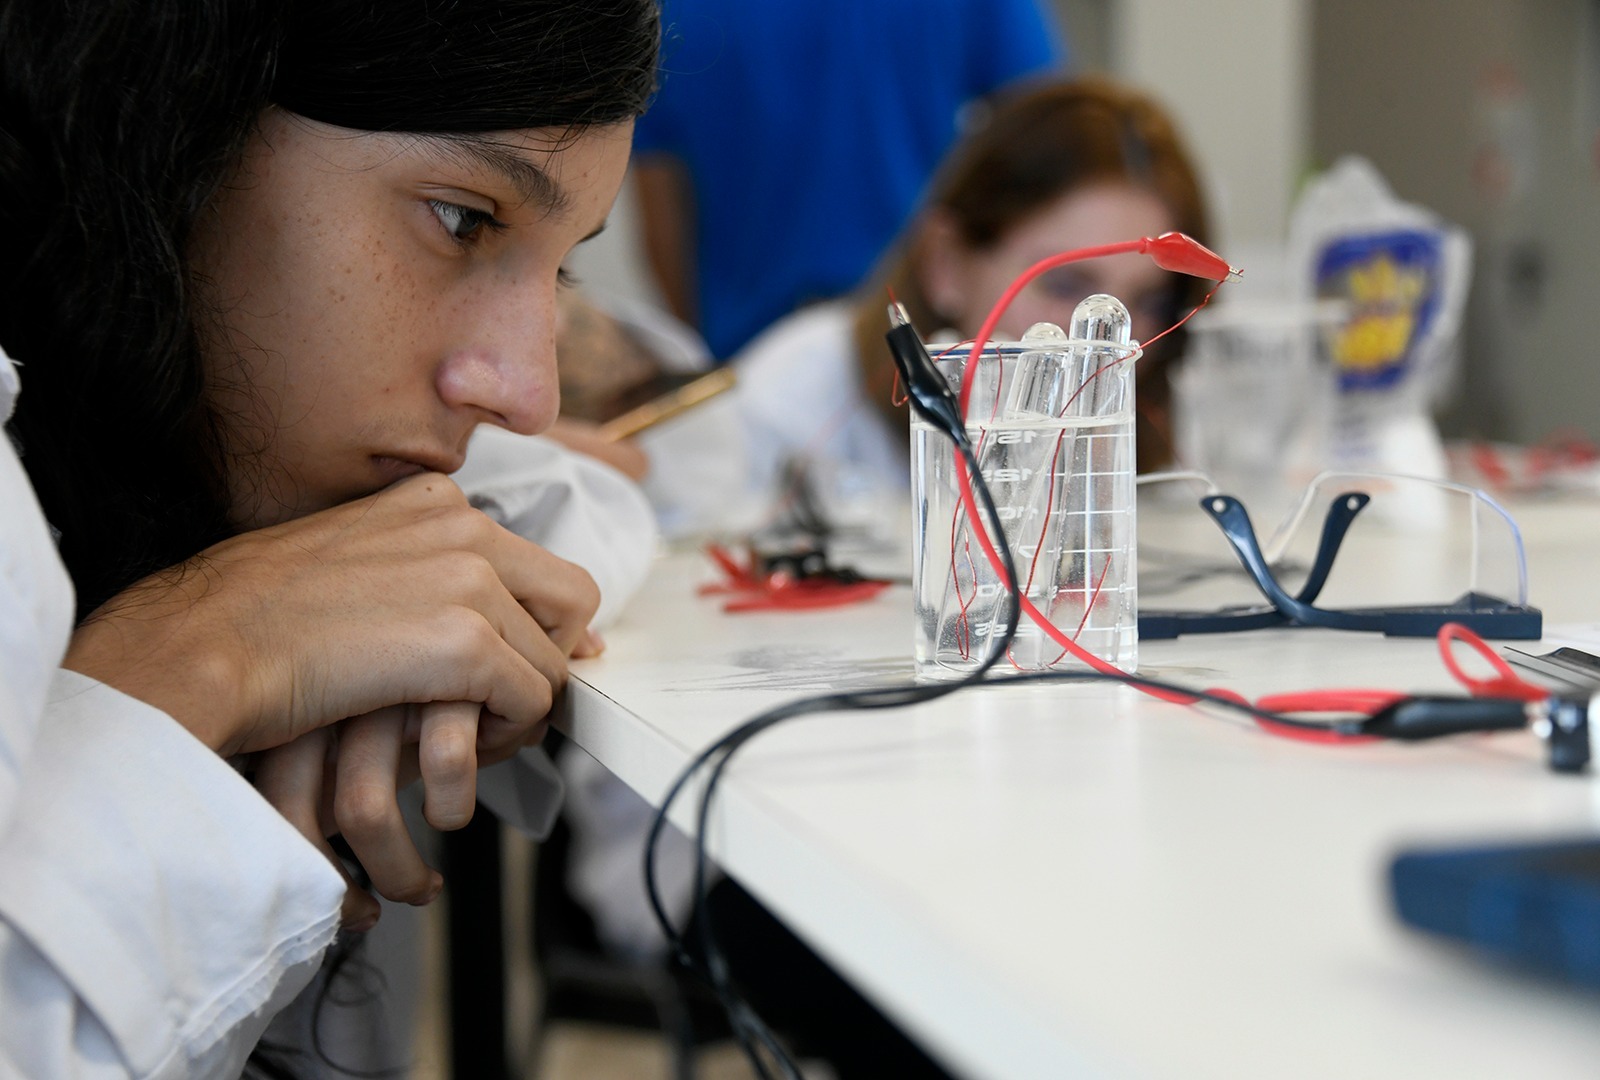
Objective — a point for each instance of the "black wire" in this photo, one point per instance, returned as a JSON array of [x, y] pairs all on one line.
[[747, 1026]]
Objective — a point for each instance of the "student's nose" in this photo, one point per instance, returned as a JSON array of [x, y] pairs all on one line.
[[506, 364]]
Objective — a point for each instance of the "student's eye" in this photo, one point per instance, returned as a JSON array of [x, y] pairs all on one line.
[[567, 279], [1064, 283], [463, 223]]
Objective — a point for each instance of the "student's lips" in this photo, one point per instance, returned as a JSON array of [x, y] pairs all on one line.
[[393, 467]]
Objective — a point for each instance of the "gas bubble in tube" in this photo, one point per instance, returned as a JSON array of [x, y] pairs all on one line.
[[1042, 334]]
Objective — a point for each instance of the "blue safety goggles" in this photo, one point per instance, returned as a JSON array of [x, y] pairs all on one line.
[[1359, 551]]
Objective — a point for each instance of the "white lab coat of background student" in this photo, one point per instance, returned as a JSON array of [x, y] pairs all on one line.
[[155, 911], [802, 401]]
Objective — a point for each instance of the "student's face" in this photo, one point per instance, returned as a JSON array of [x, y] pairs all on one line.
[[965, 283], [377, 296]]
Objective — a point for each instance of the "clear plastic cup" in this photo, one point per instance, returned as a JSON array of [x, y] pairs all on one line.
[[1053, 423]]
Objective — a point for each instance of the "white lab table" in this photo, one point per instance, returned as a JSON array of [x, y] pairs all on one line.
[[1079, 880]]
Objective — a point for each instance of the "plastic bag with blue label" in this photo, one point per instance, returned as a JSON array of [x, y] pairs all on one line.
[[1399, 276]]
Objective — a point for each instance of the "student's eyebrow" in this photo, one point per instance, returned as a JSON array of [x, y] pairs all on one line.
[[529, 181]]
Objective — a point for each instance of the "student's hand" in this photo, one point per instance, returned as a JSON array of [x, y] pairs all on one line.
[[409, 595], [346, 779]]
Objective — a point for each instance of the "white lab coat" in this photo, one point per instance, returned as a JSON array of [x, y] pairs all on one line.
[[697, 459], [801, 398], [155, 912]]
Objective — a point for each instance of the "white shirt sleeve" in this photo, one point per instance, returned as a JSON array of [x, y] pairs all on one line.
[[154, 909], [36, 605]]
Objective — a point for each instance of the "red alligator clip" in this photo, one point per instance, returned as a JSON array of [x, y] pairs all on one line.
[[792, 581]]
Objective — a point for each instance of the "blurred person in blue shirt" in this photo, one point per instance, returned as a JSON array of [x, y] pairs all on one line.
[[791, 139]]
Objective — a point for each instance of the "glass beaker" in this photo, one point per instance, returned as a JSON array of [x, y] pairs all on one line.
[[1052, 420]]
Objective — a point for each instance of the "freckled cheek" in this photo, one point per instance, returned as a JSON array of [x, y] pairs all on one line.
[[377, 320]]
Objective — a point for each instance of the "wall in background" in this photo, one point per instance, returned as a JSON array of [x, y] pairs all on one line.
[[1236, 75]]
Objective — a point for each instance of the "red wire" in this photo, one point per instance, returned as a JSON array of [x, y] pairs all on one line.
[[1173, 243], [1311, 735], [1324, 701], [1198, 260], [1094, 598], [1179, 253], [1505, 683], [1192, 312]]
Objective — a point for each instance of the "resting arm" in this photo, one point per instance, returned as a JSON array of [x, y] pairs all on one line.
[[572, 507], [154, 910]]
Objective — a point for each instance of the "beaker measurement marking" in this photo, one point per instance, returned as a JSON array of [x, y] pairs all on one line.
[[1009, 475], [1059, 513], [1002, 430], [1027, 551], [1019, 513], [990, 590], [991, 627]]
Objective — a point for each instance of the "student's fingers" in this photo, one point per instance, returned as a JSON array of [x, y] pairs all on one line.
[[291, 778], [560, 595], [427, 515], [504, 662], [447, 754], [531, 640], [498, 738], [478, 603], [367, 810], [410, 595], [589, 646]]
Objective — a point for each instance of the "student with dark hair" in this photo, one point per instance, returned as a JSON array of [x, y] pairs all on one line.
[[267, 265]]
